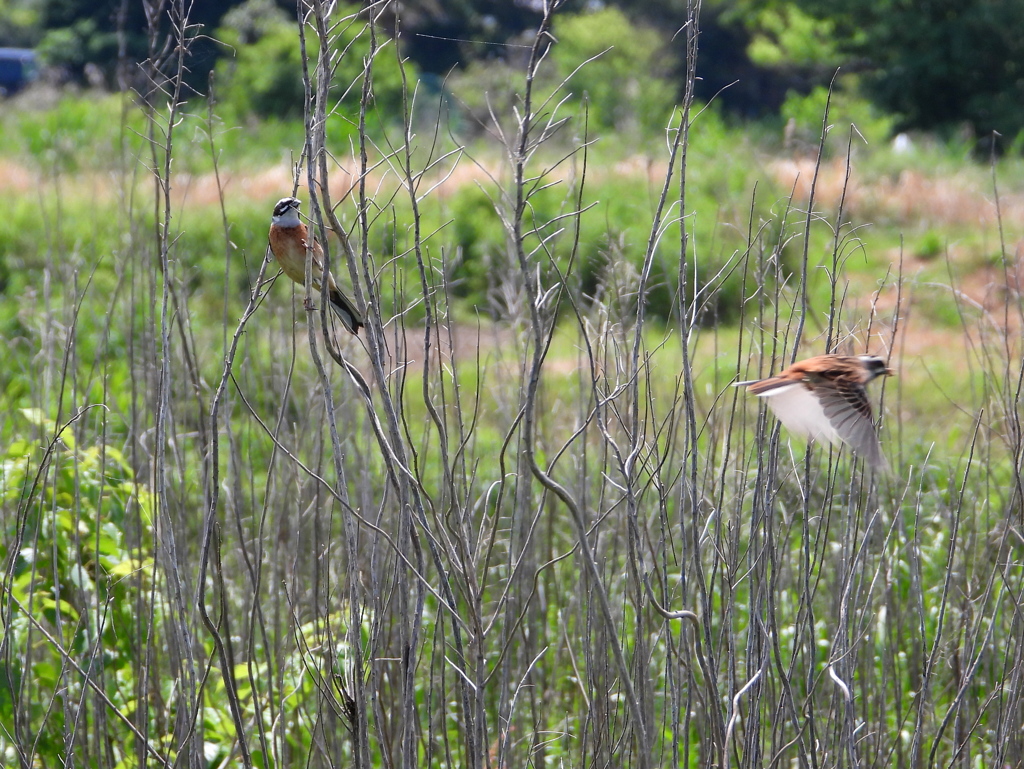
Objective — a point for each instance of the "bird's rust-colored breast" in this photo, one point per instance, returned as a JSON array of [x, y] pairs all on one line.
[[289, 247]]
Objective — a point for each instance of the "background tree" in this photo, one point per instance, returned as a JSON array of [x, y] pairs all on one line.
[[261, 76], [81, 32], [937, 65], [628, 79], [19, 23]]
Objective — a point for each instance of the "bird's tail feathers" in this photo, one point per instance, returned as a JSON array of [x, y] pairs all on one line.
[[771, 386], [346, 311]]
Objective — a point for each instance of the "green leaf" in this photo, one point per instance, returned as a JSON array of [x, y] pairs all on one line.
[[39, 419]]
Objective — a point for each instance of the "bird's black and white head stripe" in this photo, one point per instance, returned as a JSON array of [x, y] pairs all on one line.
[[286, 213]]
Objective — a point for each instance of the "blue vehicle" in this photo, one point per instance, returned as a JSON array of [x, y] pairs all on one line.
[[18, 68]]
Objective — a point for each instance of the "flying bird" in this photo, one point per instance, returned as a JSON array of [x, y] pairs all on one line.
[[288, 242], [824, 398]]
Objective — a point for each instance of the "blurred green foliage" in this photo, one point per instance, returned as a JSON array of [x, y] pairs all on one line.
[[79, 132], [937, 64], [845, 108], [785, 35], [20, 22], [79, 44], [626, 71], [616, 75], [264, 76]]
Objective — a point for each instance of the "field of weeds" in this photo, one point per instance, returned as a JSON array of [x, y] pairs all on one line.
[[524, 518]]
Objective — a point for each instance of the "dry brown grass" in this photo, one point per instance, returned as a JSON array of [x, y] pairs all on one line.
[[911, 199], [16, 178]]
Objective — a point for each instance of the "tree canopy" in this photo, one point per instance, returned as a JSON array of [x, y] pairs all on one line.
[[936, 65]]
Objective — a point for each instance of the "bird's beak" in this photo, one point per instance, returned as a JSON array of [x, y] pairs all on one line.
[[890, 372]]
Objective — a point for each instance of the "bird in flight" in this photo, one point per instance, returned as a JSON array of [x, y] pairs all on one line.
[[288, 242], [825, 399]]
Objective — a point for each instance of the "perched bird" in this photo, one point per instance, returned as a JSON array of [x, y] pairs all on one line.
[[824, 399], [288, 241]]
